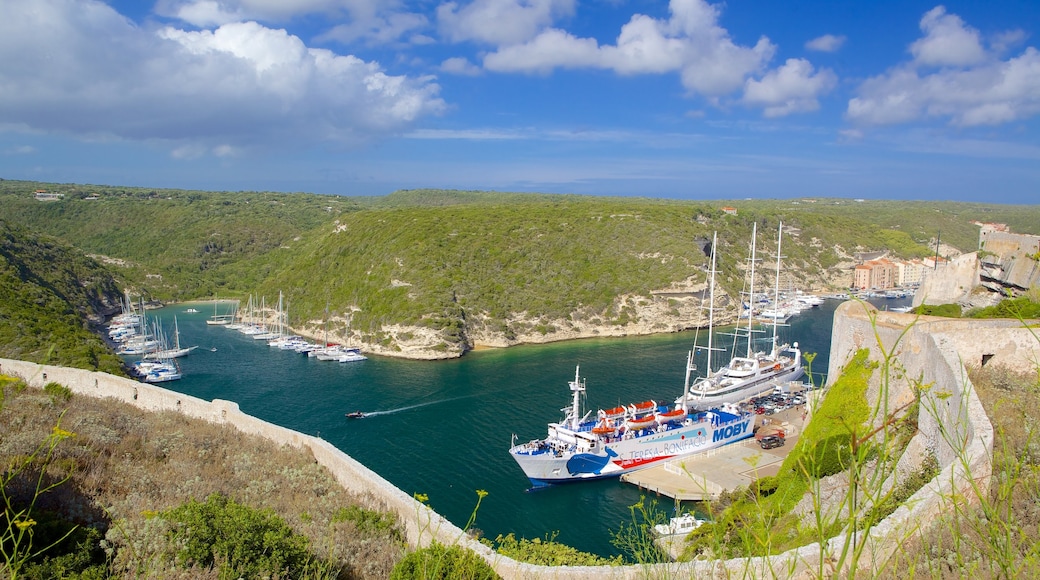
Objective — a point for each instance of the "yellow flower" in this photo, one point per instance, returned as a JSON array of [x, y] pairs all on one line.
[[422, 497], [481, 493], [60, 433], [25, 524]]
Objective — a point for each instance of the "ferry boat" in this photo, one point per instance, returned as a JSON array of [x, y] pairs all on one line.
[[623, 439], [632, 437]]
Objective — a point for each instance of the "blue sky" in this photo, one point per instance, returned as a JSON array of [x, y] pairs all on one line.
[[681, 99]]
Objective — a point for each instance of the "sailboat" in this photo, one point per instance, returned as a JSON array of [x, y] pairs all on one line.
[[220, 319], [167, 352], [748, 376]]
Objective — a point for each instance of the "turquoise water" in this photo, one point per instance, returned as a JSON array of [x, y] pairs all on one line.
[[443, 428]]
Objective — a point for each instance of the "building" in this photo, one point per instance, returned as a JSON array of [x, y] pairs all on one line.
[[909, 273], [877, 274], [42, 195]]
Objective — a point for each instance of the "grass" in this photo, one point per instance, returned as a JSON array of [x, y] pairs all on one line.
[[130, 472], [1001, 538]]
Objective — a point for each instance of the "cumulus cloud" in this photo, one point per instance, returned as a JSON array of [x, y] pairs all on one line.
[[952, 76], [792, 88], [689, 42], [460, 66], [499, 22], [947, 41], [78, 67], [380, 29], [826, 43], [374, 21]]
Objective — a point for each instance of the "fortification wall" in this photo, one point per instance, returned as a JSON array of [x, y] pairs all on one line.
[[928, 351], [951, 282]]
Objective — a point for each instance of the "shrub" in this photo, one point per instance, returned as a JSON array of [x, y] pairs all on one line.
[[438, 562], [370, 522], [58, 393], [245, 541], [947, 310], [548, 552]]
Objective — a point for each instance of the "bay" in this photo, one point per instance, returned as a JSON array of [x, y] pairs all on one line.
[[443, 428]]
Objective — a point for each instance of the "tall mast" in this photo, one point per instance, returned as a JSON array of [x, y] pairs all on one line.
[[776, 292], [751, 289], [711, 301]]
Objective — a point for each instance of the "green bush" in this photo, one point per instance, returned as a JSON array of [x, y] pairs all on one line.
[[242, 540], [371, 522], [548, 552], [1021, 307], [947, 310], [59, 393], [439, 562]]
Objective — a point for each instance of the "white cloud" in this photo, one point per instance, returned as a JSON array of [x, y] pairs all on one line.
[[826, 43], [499, 22], [947, 41], [207, 13], [690, 42], [78, 67], [374, 21], [380, 29], [973, 87], [460, 66], [551, 49], [792, 88]]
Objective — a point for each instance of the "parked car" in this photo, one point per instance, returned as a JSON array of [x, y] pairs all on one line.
[[771, 442]]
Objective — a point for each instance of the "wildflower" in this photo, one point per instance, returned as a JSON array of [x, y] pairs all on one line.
[[25, 524], [61, 434], [421, 497]]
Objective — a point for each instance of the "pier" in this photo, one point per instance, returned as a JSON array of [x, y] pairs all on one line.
[[703, 476]]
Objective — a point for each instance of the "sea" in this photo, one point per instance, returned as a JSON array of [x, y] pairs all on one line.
[[443, 428]]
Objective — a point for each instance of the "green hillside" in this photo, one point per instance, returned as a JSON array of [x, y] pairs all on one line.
[[449, 260], [50, 294]]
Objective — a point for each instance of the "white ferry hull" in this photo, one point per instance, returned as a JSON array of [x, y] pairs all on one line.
[[544, 465]]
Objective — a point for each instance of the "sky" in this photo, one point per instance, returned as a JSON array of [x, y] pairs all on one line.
[[687, 99]]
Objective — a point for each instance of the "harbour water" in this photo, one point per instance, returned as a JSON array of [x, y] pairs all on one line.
[[443, 428]]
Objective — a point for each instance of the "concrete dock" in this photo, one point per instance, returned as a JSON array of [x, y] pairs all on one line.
[[704, 476]]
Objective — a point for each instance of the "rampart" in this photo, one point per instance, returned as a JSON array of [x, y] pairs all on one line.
[[934, 351]]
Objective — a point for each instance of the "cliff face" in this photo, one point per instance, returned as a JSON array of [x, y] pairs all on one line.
[[670, 310], [1010, 262], [950, 282]]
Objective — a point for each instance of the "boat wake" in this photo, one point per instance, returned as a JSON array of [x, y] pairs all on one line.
[[416, 406]]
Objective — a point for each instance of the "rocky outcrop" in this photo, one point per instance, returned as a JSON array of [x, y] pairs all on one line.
[[1010, 263], [949, 282]]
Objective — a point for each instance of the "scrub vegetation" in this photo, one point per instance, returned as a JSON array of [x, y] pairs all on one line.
[[454, 261], [97, 489], [52, 300]]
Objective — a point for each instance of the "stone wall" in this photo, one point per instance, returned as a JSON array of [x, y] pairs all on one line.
[[950, 282], [930, 350]]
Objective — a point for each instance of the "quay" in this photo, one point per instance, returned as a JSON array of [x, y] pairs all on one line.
[[703, 476]]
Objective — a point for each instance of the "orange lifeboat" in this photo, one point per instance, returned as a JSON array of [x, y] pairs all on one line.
[[676, 415], [615, 413], [641, 423], [644, 407], [605, 427]]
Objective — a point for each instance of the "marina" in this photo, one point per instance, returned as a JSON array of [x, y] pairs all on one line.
[[442, 428]]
